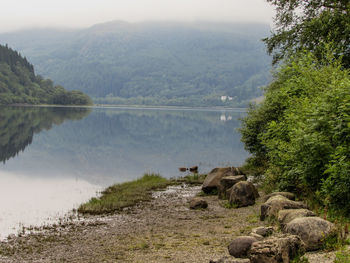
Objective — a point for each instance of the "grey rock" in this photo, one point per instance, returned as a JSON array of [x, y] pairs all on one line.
[[263, 231], [240, 246], [227, 182], [312, 230], [276, 203], [243, 194], [287, 215], [276, 250], [212, 181], [256, 236], [288, 195], [198, 203]]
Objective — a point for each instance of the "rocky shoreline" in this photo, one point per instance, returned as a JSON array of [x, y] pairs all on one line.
[[166, 229]]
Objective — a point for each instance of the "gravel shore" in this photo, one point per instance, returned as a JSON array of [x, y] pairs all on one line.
[[162, 230]]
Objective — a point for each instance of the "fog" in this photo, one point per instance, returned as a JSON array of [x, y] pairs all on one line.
[[18, 14]]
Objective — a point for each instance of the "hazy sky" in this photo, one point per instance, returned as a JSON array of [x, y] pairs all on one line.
[[15, 14]]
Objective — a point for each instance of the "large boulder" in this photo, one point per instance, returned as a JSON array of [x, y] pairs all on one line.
[[276, 203], [288, 195], [312, 230], [276, 250], [227, 182], [243, 194], [287, 215], [240, 246], [198, 203], [212, 180]]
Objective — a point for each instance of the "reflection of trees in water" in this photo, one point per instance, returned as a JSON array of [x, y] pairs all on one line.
[[18, 125], [120, 144], [138, 136]]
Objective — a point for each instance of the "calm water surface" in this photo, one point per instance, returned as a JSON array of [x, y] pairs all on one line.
[[53, 159]]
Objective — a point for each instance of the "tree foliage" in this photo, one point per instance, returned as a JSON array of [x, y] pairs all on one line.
[[307, 24], [19, 84], [302, 129]]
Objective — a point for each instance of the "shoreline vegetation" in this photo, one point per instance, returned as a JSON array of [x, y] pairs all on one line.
[[119, 196]]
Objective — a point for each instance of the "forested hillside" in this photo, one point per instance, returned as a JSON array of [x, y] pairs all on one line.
[[19, 84], [153, 63]]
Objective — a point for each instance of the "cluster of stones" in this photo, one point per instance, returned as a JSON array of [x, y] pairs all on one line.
[[229, 183], [301, 229]]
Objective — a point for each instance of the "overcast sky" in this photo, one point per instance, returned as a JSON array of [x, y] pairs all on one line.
[[16, 14]]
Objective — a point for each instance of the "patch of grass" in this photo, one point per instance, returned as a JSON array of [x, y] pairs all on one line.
[[194, 179], [338, 239], [331, 242], [300, 259], [252, 219], [118, 196], [140, 246], [159, 245], [342, 256], [228, 205]]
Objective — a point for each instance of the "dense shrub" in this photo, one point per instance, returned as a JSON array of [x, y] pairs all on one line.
[[302, 129]]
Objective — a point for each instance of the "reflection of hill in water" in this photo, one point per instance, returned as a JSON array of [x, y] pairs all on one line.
[[18, 125], [112, 145]]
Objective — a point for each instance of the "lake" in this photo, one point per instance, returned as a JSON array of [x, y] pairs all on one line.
[[55, 158]]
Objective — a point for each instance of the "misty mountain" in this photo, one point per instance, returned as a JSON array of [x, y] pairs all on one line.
[[152, 63]]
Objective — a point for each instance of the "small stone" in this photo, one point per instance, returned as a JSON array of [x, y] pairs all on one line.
[[263, 231], [240, 246], [194, 169], [198, 203]]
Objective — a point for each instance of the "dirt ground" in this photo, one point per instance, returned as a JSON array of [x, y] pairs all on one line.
[[163, 230]]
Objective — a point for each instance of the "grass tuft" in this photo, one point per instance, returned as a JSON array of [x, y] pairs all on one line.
[[342, 256], [192, 179], [119, 196]]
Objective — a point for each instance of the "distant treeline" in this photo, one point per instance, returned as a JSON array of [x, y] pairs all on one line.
[[20, 85]]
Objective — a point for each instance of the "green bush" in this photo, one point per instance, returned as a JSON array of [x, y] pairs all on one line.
[[302, 129]]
